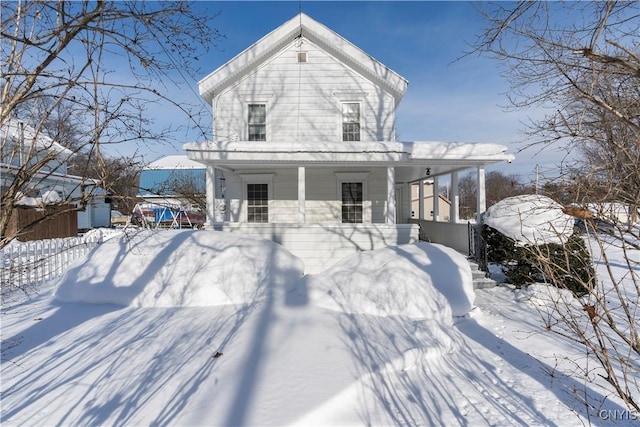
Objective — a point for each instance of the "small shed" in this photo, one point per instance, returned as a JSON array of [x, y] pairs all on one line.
[[97, 213]]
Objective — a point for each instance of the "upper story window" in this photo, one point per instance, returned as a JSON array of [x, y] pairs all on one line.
[[257, 122], [351, 121]]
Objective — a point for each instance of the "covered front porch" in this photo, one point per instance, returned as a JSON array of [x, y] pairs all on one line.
[[325, 201]]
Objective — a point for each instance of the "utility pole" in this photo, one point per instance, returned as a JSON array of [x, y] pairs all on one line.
[[537, 177]]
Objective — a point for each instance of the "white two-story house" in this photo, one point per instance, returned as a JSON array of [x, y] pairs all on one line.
[[304, 150]]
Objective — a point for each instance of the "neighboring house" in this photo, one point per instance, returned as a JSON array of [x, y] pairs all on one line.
[[443, 206], [21, 148], [305, 151], [171, 189]]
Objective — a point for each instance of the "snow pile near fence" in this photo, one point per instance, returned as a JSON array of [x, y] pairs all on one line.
[[419, 281], [101, 234], [180, 269], [530, 219]]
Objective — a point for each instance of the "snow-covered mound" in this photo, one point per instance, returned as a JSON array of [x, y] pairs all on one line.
[[177, 268], [419, 281], [530, 219]]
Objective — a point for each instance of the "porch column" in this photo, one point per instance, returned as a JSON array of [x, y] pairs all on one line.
[[391, 195], [421, 199], [482, 195], [454, 214], [210, 180], [302, 194], [436, 199]]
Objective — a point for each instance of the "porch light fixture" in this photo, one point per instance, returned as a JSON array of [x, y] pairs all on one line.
[[428, 171]]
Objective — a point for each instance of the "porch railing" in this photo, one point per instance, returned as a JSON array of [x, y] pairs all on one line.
[[478, 246]]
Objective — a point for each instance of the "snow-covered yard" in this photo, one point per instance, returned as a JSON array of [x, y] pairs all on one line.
[[210, 328]]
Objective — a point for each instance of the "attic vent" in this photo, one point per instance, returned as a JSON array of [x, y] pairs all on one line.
[[302, 56]]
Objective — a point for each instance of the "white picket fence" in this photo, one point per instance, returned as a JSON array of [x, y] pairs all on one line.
[[25, 264]]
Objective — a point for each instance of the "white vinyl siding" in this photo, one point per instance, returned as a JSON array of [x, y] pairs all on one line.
[[303, 100]]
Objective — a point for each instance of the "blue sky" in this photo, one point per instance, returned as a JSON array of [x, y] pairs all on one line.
[[448, 99]]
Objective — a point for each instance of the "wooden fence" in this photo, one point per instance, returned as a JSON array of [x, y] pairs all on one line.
[[56, 222], [26, 264]]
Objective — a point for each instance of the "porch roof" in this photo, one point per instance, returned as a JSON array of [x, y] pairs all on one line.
[[410, 158]]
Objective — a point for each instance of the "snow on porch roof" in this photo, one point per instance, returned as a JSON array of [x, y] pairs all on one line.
[[324, 37], [341, 152], [456, 150]]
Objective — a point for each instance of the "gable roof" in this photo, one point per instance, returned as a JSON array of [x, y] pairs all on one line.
[[328, 40]]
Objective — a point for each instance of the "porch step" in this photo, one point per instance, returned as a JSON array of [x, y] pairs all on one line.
[[480, 281], [483, 283]]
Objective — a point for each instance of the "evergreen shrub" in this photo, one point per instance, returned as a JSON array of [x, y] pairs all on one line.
[[565, 266]]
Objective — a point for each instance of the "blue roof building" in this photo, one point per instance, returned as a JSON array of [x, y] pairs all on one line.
[[163, 186]]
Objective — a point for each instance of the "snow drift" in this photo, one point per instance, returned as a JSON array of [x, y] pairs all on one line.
[[530, 219], [180, 269], [419, 281], [207, 268]]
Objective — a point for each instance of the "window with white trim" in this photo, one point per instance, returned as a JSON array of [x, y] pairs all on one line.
[[352, 197], [257, 202], [350, 121], [257, 120]]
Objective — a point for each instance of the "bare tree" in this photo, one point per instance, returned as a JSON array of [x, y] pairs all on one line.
[[467, 191], [189, 189], [96, 69], [580, 62], [498, 186]]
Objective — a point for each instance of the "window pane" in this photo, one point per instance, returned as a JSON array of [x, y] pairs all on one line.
[[352, 214], [257, 133], [257, 113], [351, 132], [351, 113], [351, 192]]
